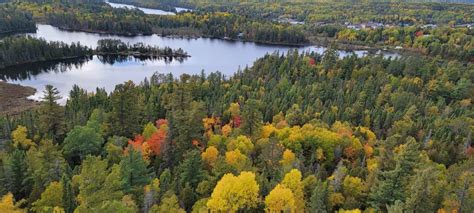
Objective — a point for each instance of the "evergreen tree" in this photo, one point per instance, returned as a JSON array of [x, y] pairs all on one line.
[[251, 117], [134, 174], [51, 115], [319, 198], [390, 185], [97, 185], [190, 170], [68, 199], [16, 178], [125, 118]]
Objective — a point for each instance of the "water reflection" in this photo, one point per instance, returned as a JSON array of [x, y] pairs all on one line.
[[145, 10], [113, 59], [30, 71], [207, 55]]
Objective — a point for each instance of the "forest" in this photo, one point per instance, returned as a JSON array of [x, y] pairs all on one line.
[[20, 50], [13, 21], [441, 41], [400, 26], [118, 47], [101, 18], [294, 132], [166, 5]]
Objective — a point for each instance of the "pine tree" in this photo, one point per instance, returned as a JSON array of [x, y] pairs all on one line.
[[134, 174], [51, 115], [68, 199], [319, 198], [390, 185], [251, 117], [17, 178], [125, 118]]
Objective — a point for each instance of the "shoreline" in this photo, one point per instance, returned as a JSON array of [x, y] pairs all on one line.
[[40, 61], [14, 99], [157, 33], [133, 54]]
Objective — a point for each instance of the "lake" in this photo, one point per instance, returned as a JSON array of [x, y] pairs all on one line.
[[145, 10], [208, 55]]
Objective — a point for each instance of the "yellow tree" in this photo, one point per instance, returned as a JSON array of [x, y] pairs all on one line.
[[288, 158], [236, 159], [267, 130], [20, 139], [242, 143], [51, 198], [353, 191], [7, 204], [280, 199], [226, 130], [210, 155], [234, 192], [234, 109], [292, 181]]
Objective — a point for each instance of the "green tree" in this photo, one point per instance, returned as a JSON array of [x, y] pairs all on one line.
[[190, 171], [51, 115], [46, 165], [69, 203], [125, 118], [426, 190], [97, 185], [16, 175], [134, 174], [185, 124], [169, 203], [390, 184], [82, 141], [51, 198], [148, 130], [319, 198], [251, 117]]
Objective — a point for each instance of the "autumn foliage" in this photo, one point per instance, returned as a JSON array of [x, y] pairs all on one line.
[[152, 146]]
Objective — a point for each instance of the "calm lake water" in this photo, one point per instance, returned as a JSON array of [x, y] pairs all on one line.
[[145, 10], [208, 55]]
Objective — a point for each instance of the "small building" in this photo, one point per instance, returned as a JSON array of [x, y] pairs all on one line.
[[428, 26]]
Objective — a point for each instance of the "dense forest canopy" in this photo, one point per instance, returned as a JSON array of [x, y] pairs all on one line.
[[426, 28], [20, 50], [13, 20], [295, 132], [26, 49], [310, 131]]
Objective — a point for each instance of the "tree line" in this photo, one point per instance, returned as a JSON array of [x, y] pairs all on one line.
[[294, 132], [17, 50], [102, 18], [311, 12], [441, 41], [118, 47], [13, 20]]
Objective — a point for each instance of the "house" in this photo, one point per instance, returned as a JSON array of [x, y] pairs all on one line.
[[428, 26], [365, 25], [372, 25]]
